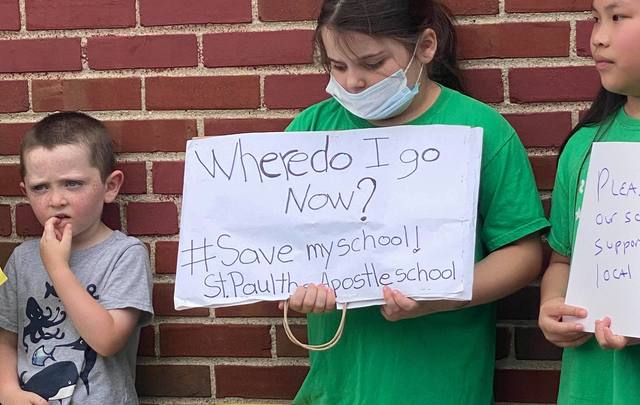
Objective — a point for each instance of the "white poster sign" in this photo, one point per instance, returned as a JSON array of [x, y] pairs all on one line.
[[356, 210], [605, 268]]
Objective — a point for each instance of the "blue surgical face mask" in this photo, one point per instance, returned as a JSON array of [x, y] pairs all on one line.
[[385, 99]]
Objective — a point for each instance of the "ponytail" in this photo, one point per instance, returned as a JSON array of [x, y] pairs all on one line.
[[601, 112]]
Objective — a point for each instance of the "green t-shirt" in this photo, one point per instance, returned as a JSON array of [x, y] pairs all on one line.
[[591, 375], [445, 358]]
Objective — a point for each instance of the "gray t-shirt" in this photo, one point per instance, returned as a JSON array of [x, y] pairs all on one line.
[[53, 360]]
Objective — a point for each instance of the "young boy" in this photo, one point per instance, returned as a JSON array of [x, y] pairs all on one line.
[[75, 300]]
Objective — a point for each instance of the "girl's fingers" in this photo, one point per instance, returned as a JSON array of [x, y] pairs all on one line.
[[331, 299], [403, 302], [321, 300], [309, 300], [295, 301]]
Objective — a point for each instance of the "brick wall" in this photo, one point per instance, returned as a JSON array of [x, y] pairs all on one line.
[[162, 71]]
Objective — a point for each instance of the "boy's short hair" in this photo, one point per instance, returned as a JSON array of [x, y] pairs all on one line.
[[71, 128]]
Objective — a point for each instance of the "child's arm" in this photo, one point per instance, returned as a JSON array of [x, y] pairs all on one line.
[[501, 273], [552, 307], [10, 391], [106, 331]]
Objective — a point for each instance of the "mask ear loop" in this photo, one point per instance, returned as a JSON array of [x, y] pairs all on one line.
[[320, 347]]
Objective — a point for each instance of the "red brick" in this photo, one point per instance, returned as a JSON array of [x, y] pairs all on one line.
[[280, 382], [9, 180], [111, 216], [239, 126], [248, 48], [473, 7], [286, 10], [151, 136], [286, 348], [535, 386], [546, 205], [294, 91], [536, 6], [11, 135], [6, 248], [171, 12], [15, 96], [152, 218], [583, 37], [70, 14], [5, 220], [166, 257], [27, 224], [87, 94], [541, 129], [503, 343], [163, 302], [484, 84], [203, 93], [168, 177], [514, 40], [40, 55], [531, 344], [9, 15], [147, 345], [539, 85], [215, 340], [135, 177], [149, 51], [168, 380], [522, 305], [544, 168]]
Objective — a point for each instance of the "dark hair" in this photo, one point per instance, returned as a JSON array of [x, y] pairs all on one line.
[[601, 113], [71, 128], [403, 20]]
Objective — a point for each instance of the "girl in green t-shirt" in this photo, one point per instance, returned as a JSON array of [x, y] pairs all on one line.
[[591, 374], [394, 63]]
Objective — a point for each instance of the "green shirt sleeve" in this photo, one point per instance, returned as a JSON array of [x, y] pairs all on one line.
[[509, 205], [561, 218]]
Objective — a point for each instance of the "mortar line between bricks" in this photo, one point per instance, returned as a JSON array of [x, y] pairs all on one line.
[[573, 40], [280, 70], [187, 29], [223, 361], [137, 11], [23, 16], [143, 94], [84, 58], [121, 115], [255, 13], [264, 26]]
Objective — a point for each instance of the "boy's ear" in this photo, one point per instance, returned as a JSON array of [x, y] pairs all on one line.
[[113, 184], [23, 188], [427, 46]]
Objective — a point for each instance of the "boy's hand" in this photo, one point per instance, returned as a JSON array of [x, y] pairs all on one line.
[[55, 244], [608, 340], [562, 334], [313, 298], [20, 397], [397, 306]]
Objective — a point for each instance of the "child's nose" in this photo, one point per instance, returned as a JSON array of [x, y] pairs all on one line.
[[599, 37], [355, 83], [58, 198]]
